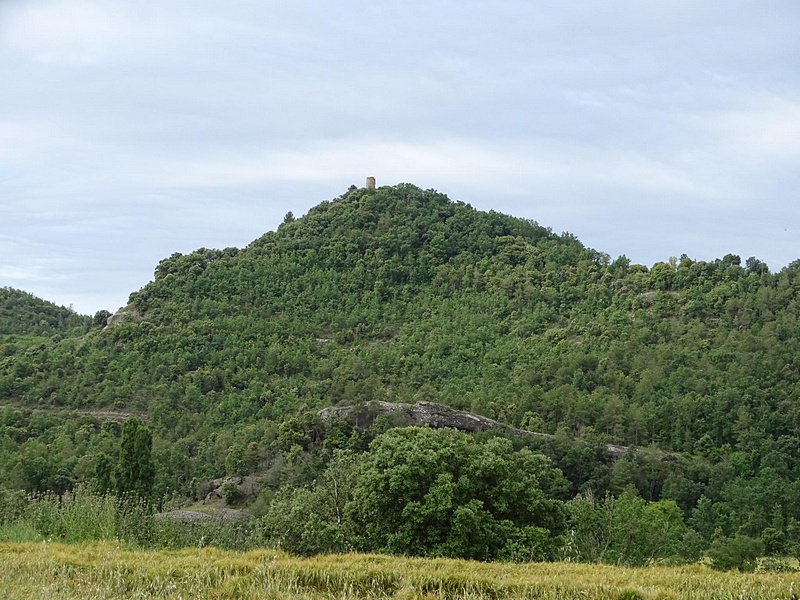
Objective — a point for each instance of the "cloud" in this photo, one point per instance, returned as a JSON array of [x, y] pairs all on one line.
[[129, 131], [20, 140], [40, 266], [91, 34], [766, 132], [67, 31], [519, 168]]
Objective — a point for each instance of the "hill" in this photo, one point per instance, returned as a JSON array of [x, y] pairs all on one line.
[[402, 295], [22, 313]]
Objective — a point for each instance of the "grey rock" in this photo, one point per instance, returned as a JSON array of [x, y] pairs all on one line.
[[124, 314], [433, 415]]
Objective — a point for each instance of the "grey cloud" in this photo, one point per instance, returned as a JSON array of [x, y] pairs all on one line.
[[130, 131]]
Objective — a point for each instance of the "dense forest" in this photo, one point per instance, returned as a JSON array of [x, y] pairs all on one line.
[[22, 313], [223, 361]]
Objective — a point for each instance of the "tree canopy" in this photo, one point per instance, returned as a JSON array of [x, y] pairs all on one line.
[[401, 294], [443, 493]]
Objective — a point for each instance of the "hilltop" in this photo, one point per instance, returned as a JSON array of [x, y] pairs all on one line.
[[402, 295], [22, 313]]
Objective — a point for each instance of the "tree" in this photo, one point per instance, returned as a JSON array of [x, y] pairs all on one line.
[[753, 265], [103, 473], [625, 530], [100, 318], [739, 552], [135, 472], [311, 520], [444, 493], [661, 276]]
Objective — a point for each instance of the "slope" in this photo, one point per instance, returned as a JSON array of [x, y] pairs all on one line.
[[401, 295], [22, 313]]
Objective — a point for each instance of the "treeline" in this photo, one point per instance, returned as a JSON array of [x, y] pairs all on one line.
[[400, 294], [409, 491], [22, 313]]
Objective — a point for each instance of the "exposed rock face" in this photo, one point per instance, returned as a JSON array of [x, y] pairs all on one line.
[[247, 486], [124, 314], [615, 451], [434, 415], [422, 413]]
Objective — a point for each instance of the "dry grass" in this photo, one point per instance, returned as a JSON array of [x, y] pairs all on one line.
[[106, 570]]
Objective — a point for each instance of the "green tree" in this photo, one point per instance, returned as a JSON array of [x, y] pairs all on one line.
[[625, 530], [739, 552], [100, 318], [135, 472], [311, 520], [104, 471], [444, 493]]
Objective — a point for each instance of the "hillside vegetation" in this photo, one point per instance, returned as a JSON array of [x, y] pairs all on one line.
[[402, 295], [24, 314]]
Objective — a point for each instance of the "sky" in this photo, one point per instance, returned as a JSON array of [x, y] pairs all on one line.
[[133, 130]]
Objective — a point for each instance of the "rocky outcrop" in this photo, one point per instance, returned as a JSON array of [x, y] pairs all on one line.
[[433, 415], [244, 487], [124, 314]]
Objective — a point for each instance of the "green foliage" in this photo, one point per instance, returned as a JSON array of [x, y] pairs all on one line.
[[231, 493], [135, 472], [443, 493], [626, 530], [84, 515], [22, 313], [309, 521], [401, 294], [104, 471], [100, 318], [74, 517], [12, 505], [738, 552]]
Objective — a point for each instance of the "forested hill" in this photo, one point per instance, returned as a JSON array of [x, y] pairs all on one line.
[[22, 313], [401, 294]]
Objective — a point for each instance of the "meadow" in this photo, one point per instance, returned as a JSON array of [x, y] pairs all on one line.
[[39, 570]]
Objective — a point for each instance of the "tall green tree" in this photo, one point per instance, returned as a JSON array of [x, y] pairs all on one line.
[[135, 472]]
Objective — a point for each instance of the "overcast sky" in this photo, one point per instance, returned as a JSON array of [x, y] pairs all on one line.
[[132, 130]]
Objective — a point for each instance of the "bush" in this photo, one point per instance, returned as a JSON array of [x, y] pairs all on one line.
[[231, 493], [626, 530], [739, 552], [772, 564], [12, 505]]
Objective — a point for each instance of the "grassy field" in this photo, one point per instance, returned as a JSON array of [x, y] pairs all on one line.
[[106, 570]]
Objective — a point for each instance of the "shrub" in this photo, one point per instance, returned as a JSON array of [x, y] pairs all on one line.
[[739, 552]]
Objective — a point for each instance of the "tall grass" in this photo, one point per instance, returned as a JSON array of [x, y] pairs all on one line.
[[85, 545], [83, 515], [108, 570]]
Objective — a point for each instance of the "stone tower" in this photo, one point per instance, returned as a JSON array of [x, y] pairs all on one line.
[[370, 183]]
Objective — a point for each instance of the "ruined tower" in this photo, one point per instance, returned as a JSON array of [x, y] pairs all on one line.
[[370, 183]]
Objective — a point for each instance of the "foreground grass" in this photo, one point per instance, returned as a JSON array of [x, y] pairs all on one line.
[[106, 570]]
